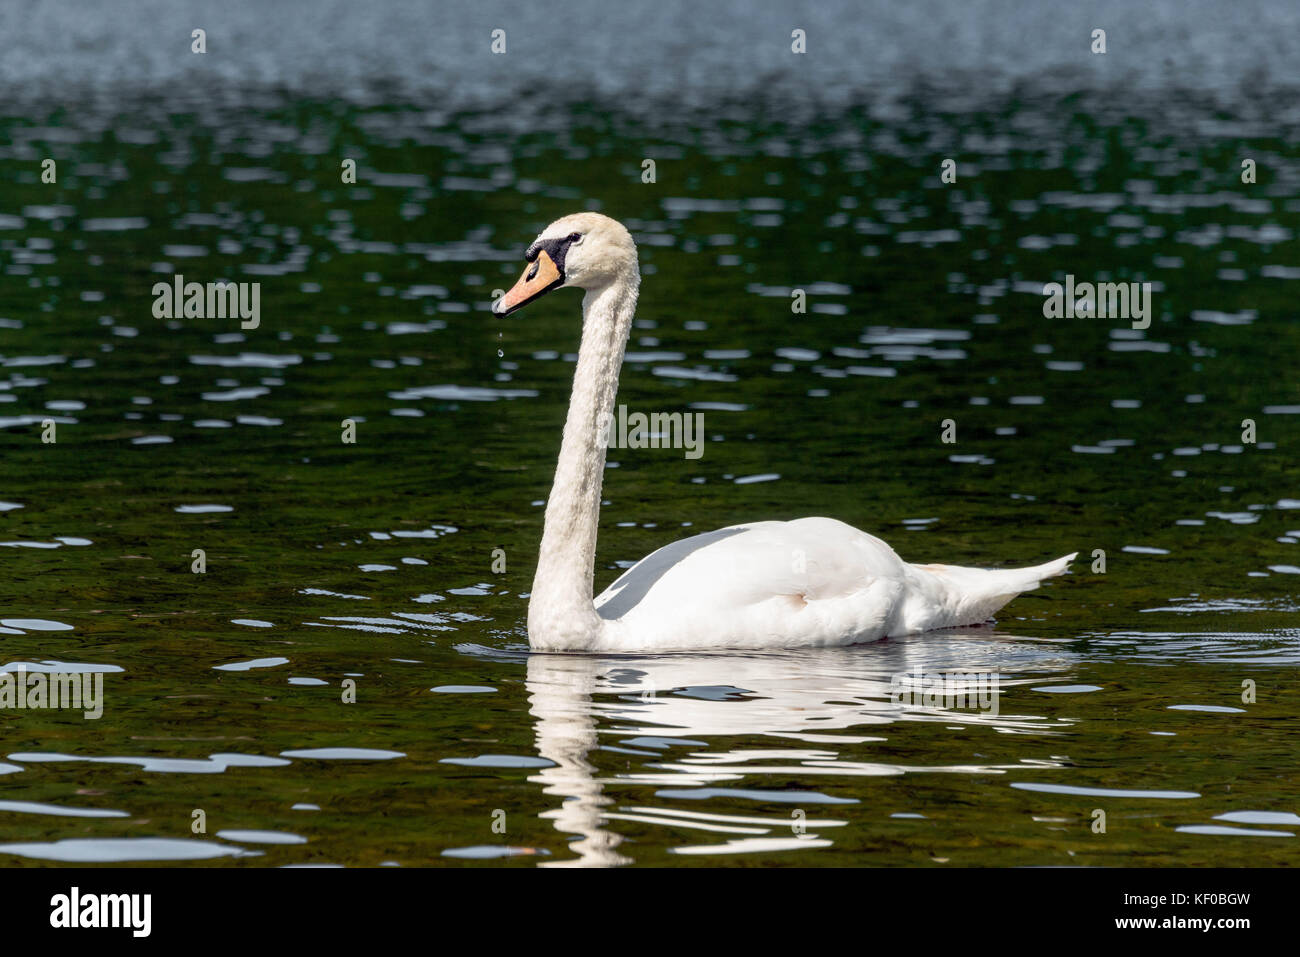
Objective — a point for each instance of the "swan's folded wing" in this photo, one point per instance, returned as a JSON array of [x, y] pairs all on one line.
[[808, 560]]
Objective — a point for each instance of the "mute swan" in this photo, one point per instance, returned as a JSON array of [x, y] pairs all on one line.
[[812, 582]]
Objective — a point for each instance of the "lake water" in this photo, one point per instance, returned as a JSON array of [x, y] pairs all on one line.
[[1160, 691]]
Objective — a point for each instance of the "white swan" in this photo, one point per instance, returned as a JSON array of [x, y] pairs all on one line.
[[812, 582]]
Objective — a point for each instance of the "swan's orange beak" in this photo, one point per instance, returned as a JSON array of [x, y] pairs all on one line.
[[541, 276]]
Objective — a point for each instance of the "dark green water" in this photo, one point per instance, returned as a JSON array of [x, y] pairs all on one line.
[[1121, 691]]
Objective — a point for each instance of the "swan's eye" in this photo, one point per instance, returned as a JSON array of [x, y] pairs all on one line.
[[575, 237]]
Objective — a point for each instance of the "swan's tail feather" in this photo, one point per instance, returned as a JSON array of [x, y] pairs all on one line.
[[1050, 569], [974, 594]]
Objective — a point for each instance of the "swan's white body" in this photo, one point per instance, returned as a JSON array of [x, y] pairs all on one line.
[[813, 582]]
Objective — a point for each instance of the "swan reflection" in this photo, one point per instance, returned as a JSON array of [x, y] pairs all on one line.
[[662, 711]]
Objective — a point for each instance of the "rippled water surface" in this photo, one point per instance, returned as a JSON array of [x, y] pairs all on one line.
[[1156, 683]]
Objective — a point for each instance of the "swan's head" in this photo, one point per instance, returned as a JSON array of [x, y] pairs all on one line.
[[586, 250]]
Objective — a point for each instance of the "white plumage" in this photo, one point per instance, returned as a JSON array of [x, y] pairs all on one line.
[[812, 582]]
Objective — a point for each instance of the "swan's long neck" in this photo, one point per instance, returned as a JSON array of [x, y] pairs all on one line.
[[560, 610]]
